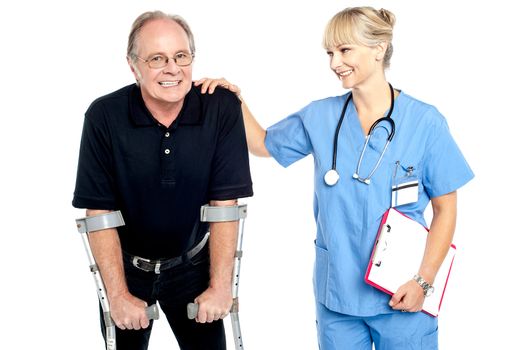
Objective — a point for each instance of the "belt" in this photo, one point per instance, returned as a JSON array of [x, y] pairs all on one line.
[[157, 266]]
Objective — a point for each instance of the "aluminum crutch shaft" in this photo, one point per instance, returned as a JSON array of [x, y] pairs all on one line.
[[92, 224]]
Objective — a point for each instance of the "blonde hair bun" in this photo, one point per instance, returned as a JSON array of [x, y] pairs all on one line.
[[388, 17]]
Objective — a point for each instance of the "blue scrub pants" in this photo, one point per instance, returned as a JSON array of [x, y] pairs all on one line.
[[394, 331]]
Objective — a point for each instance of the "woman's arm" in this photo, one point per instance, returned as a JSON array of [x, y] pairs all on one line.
[[410, 296], [440, 235]]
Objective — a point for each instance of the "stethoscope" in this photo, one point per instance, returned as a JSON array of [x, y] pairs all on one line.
[[331, 177]]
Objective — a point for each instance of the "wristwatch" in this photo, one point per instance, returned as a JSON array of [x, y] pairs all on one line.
[[428, 289]]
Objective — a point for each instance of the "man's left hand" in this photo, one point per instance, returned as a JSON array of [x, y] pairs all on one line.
[[214, 304]]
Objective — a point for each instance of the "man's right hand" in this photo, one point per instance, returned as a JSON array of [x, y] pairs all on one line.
[[129, 312]]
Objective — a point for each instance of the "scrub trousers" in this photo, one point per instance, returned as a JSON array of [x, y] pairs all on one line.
[[393, 331], [173, 289]]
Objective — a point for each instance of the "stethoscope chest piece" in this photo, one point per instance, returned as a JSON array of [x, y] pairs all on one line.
[[331, 177]]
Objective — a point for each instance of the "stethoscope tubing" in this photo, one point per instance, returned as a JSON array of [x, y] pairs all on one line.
[[332, 176], [337, 132]]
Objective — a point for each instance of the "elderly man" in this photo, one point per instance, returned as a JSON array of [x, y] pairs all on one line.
[[157, 151]]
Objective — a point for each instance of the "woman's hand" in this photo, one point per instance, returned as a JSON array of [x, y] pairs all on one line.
[[408, 298], [209, 84]]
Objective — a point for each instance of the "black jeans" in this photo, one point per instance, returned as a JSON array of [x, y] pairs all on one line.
[[173, 289]]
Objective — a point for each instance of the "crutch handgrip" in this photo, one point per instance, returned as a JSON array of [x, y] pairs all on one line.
[[152, 312], [191, 310]]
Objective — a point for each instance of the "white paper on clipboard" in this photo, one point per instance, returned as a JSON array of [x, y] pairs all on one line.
[[397, 256]]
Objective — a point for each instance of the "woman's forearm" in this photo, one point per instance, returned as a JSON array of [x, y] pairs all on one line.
[[254, 132], [440, 235]]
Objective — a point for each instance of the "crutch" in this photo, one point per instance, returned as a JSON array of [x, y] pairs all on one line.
[[92, 224], [222, 214]]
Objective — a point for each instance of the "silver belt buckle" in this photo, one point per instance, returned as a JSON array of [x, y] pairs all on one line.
[[136, 260]]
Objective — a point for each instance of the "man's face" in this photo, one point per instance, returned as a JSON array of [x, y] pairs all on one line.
[[170, 84]]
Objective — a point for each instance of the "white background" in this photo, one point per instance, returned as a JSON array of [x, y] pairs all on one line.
[[467, 58]]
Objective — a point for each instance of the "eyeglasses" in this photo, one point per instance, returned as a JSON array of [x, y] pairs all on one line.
[[181, 59]]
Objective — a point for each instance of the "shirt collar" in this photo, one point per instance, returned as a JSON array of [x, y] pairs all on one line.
[[191, 113]]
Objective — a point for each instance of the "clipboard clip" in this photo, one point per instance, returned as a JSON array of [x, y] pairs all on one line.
[[377, 259]]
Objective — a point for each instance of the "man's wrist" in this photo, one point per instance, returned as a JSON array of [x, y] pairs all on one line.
[[221, 284], [116, 293]]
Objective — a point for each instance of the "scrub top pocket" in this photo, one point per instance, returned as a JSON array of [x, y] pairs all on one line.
[[321, 274], [406, 184]]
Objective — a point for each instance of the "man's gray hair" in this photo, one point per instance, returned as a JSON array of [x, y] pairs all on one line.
[[152, 15]]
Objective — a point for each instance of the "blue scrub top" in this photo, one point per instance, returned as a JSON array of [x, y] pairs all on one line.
[[348, 214]]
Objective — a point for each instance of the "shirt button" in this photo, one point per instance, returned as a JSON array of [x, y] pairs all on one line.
[[167, 134], [167, 151]]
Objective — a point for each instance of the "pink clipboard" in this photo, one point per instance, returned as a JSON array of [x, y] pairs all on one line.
[[397, 254]]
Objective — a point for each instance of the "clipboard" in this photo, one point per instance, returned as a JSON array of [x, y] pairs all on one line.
[[397, 255]]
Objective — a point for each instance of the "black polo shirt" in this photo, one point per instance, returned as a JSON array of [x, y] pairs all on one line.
[[159, 177]]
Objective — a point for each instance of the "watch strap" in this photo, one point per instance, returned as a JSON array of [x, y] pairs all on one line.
[[428, 288]]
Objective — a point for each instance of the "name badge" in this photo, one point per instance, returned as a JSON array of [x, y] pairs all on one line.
[[404, 193]]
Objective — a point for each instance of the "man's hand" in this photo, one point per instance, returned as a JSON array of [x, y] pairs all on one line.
[[129, 312], [214, 304], [409, 297]]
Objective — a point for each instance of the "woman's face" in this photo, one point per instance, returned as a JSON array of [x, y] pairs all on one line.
[[355, 64]]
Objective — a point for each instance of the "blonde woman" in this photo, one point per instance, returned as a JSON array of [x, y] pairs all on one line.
[[409, 143]]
